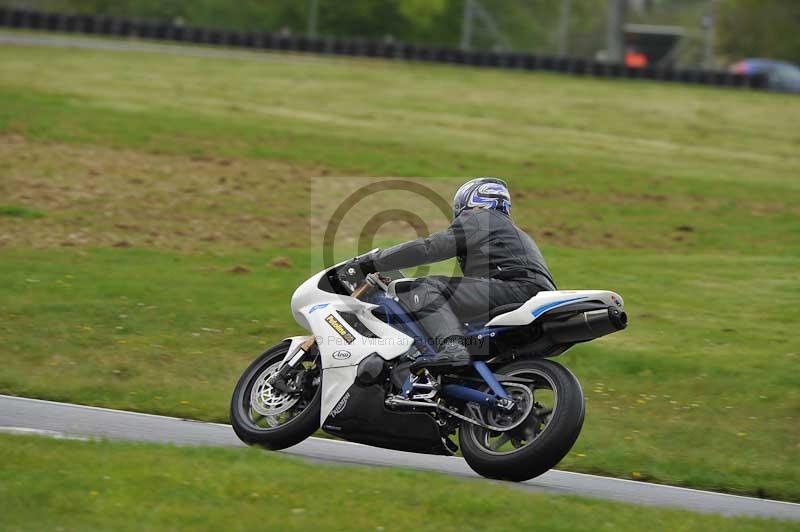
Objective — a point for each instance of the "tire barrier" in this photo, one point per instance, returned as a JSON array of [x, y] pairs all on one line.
[[103, 25]]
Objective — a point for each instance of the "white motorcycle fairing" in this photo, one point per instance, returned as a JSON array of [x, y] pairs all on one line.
[[341, 345]]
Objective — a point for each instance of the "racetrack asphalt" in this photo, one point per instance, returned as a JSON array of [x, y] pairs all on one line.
[[47, 418]]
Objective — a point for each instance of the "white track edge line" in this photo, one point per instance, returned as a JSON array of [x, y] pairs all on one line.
[[25, 431]]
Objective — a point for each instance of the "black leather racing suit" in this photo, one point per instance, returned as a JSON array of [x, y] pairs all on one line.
[[501, 265]]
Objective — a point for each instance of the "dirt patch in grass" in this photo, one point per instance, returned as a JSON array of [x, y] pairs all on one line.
[[98, 196], [72, 195]]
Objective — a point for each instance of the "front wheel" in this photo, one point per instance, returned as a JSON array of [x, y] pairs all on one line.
[[542, 439], [261, 415]]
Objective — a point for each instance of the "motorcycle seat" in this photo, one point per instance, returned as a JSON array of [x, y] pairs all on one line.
[[493, 313]]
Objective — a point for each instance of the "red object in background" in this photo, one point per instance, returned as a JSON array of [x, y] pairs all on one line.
[[740, 67], [635, 59]]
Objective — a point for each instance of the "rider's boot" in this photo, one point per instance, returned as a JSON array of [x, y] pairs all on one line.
[[452, 354]]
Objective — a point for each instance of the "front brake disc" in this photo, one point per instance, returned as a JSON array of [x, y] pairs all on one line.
[[268, 401]]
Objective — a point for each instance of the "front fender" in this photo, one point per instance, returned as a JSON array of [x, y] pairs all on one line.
[[294, 342]]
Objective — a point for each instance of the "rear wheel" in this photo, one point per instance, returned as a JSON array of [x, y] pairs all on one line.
[[262, 415], [536, 443]]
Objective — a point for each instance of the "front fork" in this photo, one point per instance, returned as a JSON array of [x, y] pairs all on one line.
[[278, 381]]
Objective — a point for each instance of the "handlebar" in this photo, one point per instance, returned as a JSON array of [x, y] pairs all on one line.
[[361, 290], [371, 281]]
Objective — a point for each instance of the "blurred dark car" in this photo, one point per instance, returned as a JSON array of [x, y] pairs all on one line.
[[781, 76]]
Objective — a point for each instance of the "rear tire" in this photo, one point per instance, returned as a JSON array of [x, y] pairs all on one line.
[[297, 429], [546, 449]]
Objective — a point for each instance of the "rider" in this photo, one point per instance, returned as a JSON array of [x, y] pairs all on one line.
[[501, 265]]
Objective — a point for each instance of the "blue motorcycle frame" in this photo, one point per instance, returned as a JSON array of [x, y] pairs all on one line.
[[398, 317]]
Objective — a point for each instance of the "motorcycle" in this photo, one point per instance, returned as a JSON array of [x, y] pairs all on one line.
[[514, 412]]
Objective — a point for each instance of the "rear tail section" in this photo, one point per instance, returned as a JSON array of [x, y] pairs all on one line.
[[551, 322]]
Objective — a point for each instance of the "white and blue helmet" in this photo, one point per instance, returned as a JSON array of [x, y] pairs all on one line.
[[483, 193]]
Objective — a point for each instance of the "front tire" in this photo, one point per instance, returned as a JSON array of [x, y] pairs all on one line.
[[540, 442], [299, 417]]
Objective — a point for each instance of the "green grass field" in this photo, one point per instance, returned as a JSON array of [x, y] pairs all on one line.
[[134, 187], [104, 486]]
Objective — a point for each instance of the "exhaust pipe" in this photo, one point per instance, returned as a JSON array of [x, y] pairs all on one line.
[[586, 326]]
